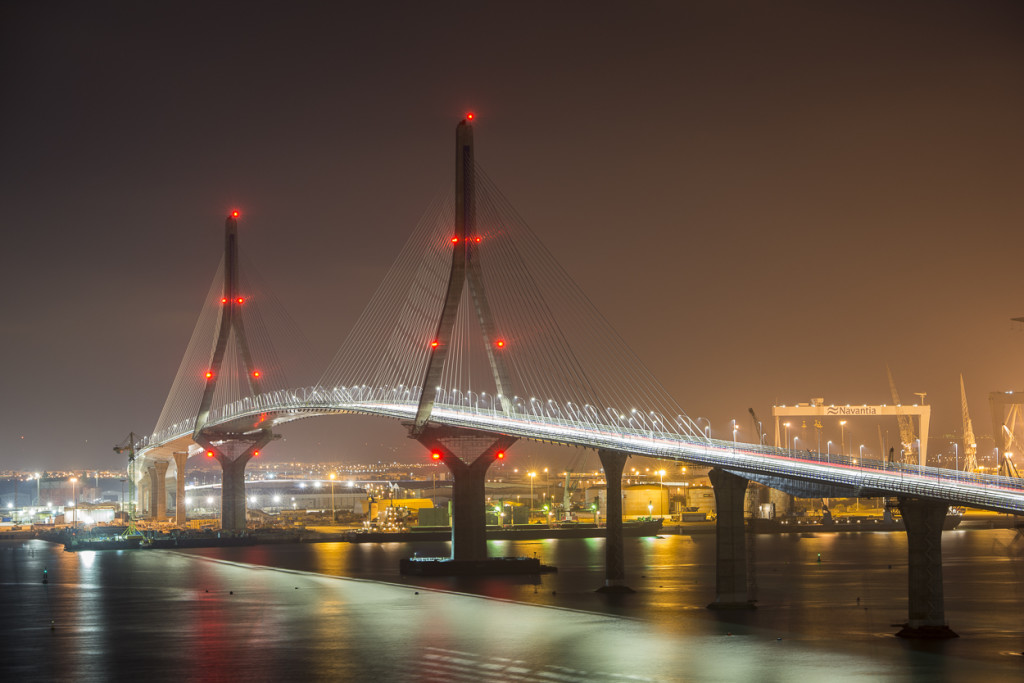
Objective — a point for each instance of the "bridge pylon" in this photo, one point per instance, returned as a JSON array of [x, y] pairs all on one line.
[[469, 540], [232, 449]]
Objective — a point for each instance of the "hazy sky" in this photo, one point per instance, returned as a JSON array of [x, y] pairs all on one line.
[[770, 201]]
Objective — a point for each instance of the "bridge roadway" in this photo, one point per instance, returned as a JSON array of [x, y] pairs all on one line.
[[812, 473]]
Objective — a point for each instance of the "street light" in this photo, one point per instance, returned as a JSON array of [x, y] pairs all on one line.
[[533, 475], [786, 425], [828, 452], [862, 451], [734, 429], [74, 500], [795, 439], [956, 454], [661, 493], [842, 437], [333, 513]]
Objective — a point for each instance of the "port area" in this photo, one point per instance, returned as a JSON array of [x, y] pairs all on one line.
[[109, 537], [492, 566]]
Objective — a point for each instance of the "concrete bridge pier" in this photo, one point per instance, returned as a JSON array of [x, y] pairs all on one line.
[[144, 495], [469, 514], [730, 542], [232, 492], [923, 520], [232, 487], [180, 516], [158, 491], [613, 463]]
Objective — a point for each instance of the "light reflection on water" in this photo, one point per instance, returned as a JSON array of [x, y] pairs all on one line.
[[171, 614]]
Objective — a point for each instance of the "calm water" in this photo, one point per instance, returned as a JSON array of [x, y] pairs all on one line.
[[335, 611]]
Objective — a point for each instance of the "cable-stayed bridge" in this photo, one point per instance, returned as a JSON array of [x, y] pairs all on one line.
[[477, 338]]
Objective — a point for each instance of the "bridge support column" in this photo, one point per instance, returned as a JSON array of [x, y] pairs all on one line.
[[232, 494], [730, 542], [159, 474], [923, 520], [180, 513], [469, 515], [613, 463], [144, 495]]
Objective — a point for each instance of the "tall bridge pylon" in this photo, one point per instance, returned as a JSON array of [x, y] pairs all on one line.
[[231, 447], [465, 269], [469, 540]]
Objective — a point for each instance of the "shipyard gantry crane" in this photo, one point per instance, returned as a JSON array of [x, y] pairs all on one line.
[[970, 442], [906, 424]]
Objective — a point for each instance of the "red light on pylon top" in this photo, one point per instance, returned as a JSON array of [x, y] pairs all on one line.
[[235, 214], [240, 300], [477, 240], [500, 343], [209, 454], [436, 455], [434, 344], [209, 374], [223, 299], [255, 454], [455, 240], [500, 455], [257, 374], [470, 116]]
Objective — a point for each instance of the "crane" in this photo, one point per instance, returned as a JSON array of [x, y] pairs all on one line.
[[970, 442], [1006, 467], [128, 446], [906, 424], [757, 426]]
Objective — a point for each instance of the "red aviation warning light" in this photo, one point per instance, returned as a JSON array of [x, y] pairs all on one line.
[[257, 374], [470, 116], [436, 455], [455, 240], [209, 454], [477, 240], [209, 374], [255, 454], [434, 344], [234, 214], [223, 299], [240, 300], [500, 455], [500, 343]]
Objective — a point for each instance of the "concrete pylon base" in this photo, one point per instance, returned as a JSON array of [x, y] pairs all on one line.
[[927, 632], [721, 603], [615, 588], [469, 522]]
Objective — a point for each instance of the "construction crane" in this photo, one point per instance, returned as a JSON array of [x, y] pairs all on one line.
[[970, 442], [906, 424], [128, 446], [758, 427]]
